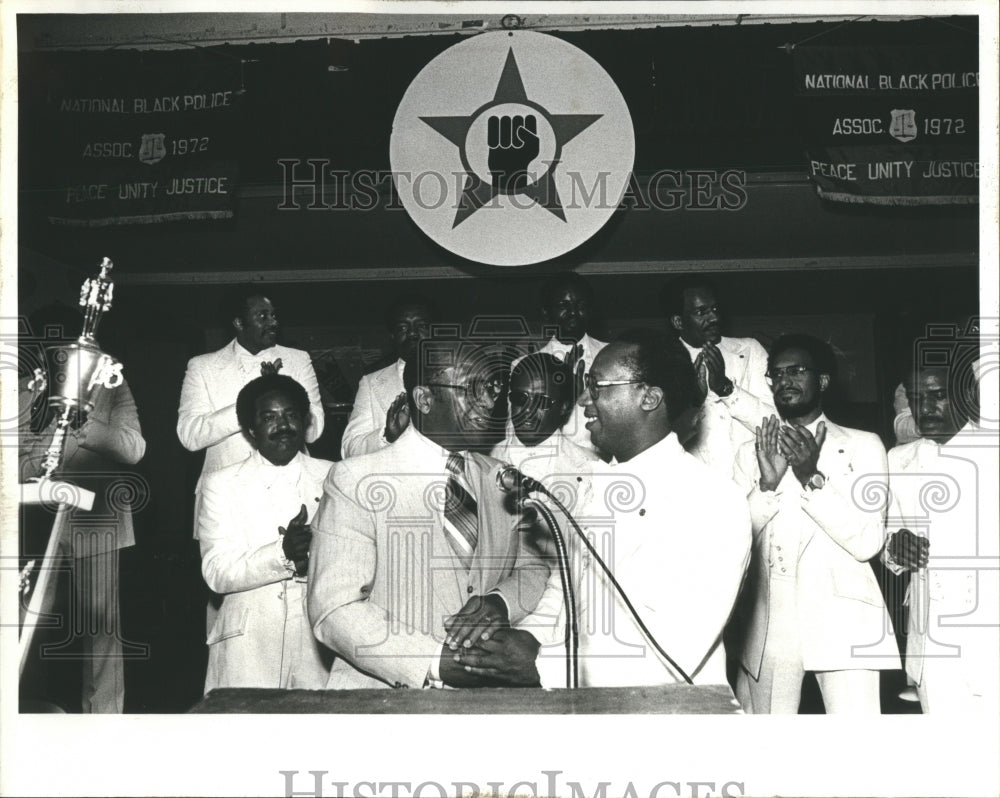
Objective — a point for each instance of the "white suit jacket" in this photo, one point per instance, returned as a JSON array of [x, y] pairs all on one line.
[[261, 636], [723, 424], [376, 392], [207, 415], [676, 535], [947, 493], [383, 576], [822, 540]]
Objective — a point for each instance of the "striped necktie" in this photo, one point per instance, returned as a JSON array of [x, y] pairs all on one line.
[[461, 517]]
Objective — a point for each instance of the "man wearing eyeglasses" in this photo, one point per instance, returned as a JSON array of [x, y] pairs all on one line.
[[416, 552], [541, 398], [817, 499], [730, 372], [675, 534], [381, 412]]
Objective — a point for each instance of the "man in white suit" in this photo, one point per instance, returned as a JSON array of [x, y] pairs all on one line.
[[381, 412], [399, 581], [207, 415], [730, 374], [253, 526], [942, 525], [817, 499], [675, 534]]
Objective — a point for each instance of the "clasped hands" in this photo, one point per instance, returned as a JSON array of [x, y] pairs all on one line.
[[779, 447], [482, 650], [710, 370]]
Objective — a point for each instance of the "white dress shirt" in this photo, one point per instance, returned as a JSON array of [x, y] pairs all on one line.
[[677, 537]]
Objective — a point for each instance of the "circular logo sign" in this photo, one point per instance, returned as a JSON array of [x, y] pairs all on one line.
[[511, 148]]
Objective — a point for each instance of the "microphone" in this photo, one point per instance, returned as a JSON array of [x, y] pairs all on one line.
[[510, 479]]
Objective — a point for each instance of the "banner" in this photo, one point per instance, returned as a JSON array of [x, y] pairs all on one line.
[[144, 138], [891, 125]]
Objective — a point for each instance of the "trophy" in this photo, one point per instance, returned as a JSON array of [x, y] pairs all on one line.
[[76, 370]]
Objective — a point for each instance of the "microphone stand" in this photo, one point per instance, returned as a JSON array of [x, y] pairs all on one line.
[[572, 637]]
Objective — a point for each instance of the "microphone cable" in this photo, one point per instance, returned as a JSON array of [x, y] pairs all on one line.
[[530, 484]]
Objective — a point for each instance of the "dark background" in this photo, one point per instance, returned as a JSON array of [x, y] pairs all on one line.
[[700, 98]]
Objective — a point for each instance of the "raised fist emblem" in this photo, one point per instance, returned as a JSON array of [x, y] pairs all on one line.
[[513, 145]]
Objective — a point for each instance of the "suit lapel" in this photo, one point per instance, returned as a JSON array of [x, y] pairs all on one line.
[[446, 573]]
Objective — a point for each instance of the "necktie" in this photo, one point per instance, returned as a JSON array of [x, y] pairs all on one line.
[[461, 517]]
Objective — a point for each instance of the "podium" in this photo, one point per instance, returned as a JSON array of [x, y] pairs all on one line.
[[64, 497], [672, 699]]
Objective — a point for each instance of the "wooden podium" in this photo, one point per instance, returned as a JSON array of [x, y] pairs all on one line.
[[65, 497], [674, 699]]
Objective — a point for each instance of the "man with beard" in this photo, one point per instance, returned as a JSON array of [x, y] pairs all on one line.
[[567, 302], [675, 534], [816, 502], [416, 552], [730, 371], [253, 525], [381, 412], [207, 415], [943, 488]]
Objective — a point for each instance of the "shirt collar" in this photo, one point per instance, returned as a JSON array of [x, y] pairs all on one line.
[[272, 474], [244, 354], [667, 447]]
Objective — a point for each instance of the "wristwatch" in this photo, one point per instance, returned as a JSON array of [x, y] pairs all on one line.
[[816, 481], [726, 389]]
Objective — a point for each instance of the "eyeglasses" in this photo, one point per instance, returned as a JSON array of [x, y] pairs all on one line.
[[775, 374], [521, 398], [481, 391], [593, 385]]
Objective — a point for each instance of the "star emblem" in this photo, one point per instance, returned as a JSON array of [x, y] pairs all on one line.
[[512, 142]]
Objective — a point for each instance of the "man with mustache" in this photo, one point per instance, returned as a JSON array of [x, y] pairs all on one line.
[[381, 412], [942, 519], [730, 372], [206, 418], [253, 526], [417, 553], [816, 494]]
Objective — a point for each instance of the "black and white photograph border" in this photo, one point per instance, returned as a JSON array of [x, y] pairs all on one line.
[[483, 755]]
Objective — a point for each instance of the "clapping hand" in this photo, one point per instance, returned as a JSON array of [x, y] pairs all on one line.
[[770, 460], [801, 449], [295, 540], [397, 418]]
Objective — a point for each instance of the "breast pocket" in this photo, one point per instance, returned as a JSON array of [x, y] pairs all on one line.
[[229, 624]]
